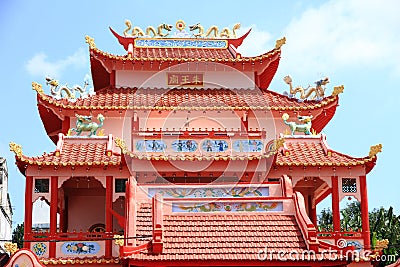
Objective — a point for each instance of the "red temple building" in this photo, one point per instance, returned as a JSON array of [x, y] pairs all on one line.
[[182, 156]]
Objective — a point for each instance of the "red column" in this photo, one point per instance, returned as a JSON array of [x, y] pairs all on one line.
[[53, 214], [130, 212], [335, 204], [364, 212], [312, 210], [109, 218], [28, 210]]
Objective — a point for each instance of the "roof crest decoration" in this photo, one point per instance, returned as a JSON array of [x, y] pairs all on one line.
[[37, 87], [374, 150], [17, 149]]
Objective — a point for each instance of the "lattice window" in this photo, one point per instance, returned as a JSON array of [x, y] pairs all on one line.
[[349, 185], [120, 185], [42, 185]]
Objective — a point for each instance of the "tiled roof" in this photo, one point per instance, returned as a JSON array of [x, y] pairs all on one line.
[[220, 237], [74, 154], [201, 99], [300, 152], [183, 55]]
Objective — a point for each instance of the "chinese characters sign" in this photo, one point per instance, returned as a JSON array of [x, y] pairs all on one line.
[[185, 79]]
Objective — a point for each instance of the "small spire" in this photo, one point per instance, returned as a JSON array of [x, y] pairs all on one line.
[[37, 87], [375, 150], [17, 149], [90, 42], [280, 42], [337, 90]]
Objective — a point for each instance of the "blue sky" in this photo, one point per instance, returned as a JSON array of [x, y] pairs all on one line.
[[354, 42]]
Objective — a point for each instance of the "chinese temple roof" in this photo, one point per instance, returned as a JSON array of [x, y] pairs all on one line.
[[72, 152], [221, 237], [316, 152], [113, 98]]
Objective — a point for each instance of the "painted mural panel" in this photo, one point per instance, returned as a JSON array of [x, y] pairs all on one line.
[[150, 146], [80, 248], [228, 207], [39, 249], [248, 145], [210, 192], [184, 145], [214, 145]]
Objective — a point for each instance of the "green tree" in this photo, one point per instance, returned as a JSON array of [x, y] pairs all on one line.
[[18, 235]]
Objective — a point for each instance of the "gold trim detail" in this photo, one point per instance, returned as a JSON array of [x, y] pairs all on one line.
[[119, 240], [280, 42], [90, 42], [121, 144], [17, 149], [11, 247], [278, 143], [338, 90], [375, 150], [37, 87]]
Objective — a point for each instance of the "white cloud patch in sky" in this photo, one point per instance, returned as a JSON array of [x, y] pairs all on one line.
[[39, 65], [256, 43], [345, 33]]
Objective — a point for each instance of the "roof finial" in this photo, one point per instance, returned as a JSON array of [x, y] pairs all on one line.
[[121, 144], [37, 87], [337, 90], [280, 42], [278, 143], [90, 42], [11, 247], [17, 149], [375, 150]]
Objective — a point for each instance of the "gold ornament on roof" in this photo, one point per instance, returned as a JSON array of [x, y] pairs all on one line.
[[37, 87], [90, 42], [150, 31], [375, 150], [121, 144], [337, 90], [119, 240], [381, 244], [64, 91], [278, 143], [280, 42], [11, 247], [213, 31], [17, 149], [317, 92]]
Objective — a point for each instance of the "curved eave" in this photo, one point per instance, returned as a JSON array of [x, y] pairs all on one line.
[[51, 122], [328, 104]]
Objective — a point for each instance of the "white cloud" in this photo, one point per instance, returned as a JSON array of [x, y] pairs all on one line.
[[344, 33], [39, 65], [256, 43]]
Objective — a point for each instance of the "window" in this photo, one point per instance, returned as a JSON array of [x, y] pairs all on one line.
[[120, 185], [349, 185], [42, 185]]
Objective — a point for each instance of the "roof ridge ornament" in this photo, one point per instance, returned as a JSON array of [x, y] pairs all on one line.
[[280, 42], [374, 150], [38, 88], [17, 149], [338, 90], [317, 92], [90, 41]]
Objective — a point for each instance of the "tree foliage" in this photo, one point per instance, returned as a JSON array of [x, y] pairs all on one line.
[[383, 225], [18, 235]]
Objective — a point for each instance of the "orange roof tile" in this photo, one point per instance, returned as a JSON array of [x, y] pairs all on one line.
[[301, 152], [201, 99], [220, 237], [74, 154]]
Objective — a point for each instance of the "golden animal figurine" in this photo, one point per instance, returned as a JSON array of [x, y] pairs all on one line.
[[375, 150], [11, 247], [213, 31], [150, 31], [318, 90]]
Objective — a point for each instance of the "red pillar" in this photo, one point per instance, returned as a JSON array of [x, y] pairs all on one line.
[[364, 212], [335, 204], [109, 218], [28, 210], [53, 214], [130, 212], [312, 210]]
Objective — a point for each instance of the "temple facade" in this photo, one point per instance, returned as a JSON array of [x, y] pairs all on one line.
[[182, 156]]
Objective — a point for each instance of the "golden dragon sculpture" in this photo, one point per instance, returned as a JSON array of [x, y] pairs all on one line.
[[150, 31], [213, 31], [318, 91]]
